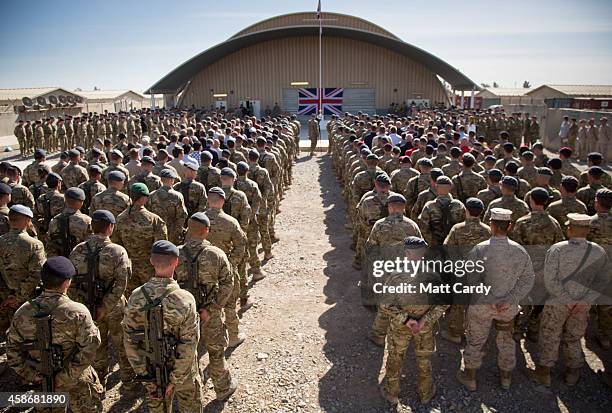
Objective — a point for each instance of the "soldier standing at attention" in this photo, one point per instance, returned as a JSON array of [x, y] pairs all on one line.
[[20, 134], [49, 204], [465, 235], [493, 191], [30, 173], [146, 177], [71, 328], [74, 174], [194, 193], [91, 187], [112, 199], [111, 269], [5, 198], [19, 193], [137, 229], [568, 203], [180, 323], [21, 257], [508, 200], [169, 205], [208, 175], [467, 183], [415, 321], [501, 305], [225, 233], [314, 133], [70, 227], [261, 177], [205, 271], [565, 315]]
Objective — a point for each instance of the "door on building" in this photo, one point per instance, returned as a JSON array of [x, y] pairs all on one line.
[[221, 104], [253, 107]]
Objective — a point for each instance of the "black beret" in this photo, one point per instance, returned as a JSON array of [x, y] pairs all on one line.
[[167, 173], [604, 194], [103, 215], [5, 189], [73, 153], [595, 156], [53, 179], [228, 172], [201, 218], [254, 153], [425, 162], [596, 171], [555, 163], [23, 210], [495, 172], [510, 181], [527, 155], [217, 191], [413, 243], [383, 178], [163, 247], [242, 166], [58, 266], [444, 180], [39, 153], [147, 159], [539, 193], [435, 173], [508, 146], [116, 176], [474, 203], [512, 167], [75, 193], [372, 157], [545, 171], [567, 151], [396, 198], [94, 168]]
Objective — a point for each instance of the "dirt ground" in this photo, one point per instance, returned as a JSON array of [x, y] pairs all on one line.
[[306, 349]]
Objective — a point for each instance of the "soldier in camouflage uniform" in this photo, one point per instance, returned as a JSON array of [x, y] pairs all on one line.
[[180, 321], [225, 233], [401, 176], [19, 193], [113, 268], [212, 288], [153, 182], [29, 137], [567, 168], [113, 198], [39, 135], [91, 187], [454, 166], [601, 233], [508, 200], [595, 159], [72, 328], [208, 175], [5, 198], [261, 177], [19, 133], [412, 319], [40, 187], [467, 184], [568, 202], [169, 205], [501, 305], [62, 162], [74, 174], [439, 216], [389, 232], [427, 195], [162, 163], [116, 164], [587, 194], [464, 235], [565, 315], [21, 257], [493, 191], [528, 171], [419, 183], [49, 204], [136, 230], [543, 177], [70, 227], [30, 173], [194, 193]]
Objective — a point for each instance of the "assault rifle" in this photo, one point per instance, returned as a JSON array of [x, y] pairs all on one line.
[[90, 282], [51, 355]]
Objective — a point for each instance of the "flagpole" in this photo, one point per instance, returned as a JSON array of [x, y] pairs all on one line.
[[321, 111]]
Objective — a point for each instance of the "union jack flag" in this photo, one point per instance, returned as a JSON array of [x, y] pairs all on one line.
[[308, 101]]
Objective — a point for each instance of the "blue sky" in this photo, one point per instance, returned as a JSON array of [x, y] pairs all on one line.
[[130, 44]]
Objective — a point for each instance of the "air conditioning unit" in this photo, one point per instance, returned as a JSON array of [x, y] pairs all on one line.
[[19, 108], [63, 100], [27, 102], [53, 100], [70, 100], [78, 99], [41, 101]]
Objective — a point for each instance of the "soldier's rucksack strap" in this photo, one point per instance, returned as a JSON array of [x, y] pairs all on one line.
[[154, 303]]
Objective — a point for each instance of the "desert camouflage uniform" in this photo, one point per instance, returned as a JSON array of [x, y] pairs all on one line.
[[518, 207], [73, 329], [111, 168], [370, 209], [30, 173], [214, 288], [112, 200], [567, 205], [261, 177], [489, 195], [431, 219], [79, 228], [606, 180], [601, 233], [400, 178], [251, 190], [453, 168], [467, 184], [170, 206], [114, 270], [423, 198], [91, 189], [136, 230], [194, 196], [153, 182], [21, 195], [554, 194], [415, 186], [73, 175], [181, 320], [567, 168], [4, 220], [209, 176], [48, 205], [587, 196]]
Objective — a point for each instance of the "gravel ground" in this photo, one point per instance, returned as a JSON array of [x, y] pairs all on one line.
[[306, 349]]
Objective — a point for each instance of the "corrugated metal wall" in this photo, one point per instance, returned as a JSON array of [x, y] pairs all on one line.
[[263, 70], [356, 100], [290, 100]]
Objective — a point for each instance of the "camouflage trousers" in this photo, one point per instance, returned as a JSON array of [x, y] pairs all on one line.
[[272, 219], [561, 328], [243, 280], [456, 320], [189, 396], [215, 340], [110, 329], [604, 320], [479, 321], [232, 323], [85, 394], [263, 222], [252, 242], [313, 144], [380, 326], [398, 339]]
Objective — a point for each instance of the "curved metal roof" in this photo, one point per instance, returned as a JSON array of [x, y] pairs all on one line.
[[175, 81]]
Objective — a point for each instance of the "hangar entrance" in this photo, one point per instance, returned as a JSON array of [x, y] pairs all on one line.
[[335, 100]]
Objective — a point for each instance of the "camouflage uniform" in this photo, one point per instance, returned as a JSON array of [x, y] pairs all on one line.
[[400, 178], [153, 182], [488, 195], [559, 209], [73, 329], [112, 200], [112, 168], [78, 230], [209, 176], [136, 230], [91, 189], [587, 196], [423, 198], [251, 190], [194, 196], [21, 195], [48, 205], [114, 269], [435, 223], [453, 168], [73, 175], [371, 208], [601, 233], [214, 288], [4, 220], [555, 195], [261, 177], [518, 207], [415, 186], [467, 184], [181, 320], [30, 173], [169, 205]]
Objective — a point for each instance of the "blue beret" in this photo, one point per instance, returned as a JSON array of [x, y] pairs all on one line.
[[103, 215], [217, 191], [5, 189], [116, 176], [167, 173], [510, 181], [23, 210], [413, 243], [147, 159], [39, 153], [539, 193], [383, 178], [495, 172], [254, 152], [58, 266], [75, 193], [206, 155], [396, 198], [164, 247], [228, 172], [201, 218], [242, 166], [474, 203]]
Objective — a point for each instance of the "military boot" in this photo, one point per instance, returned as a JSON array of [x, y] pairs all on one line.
[[258, 274], [540, 375], [394, 400], [236, 341], [571, 376], [425, 398], [505, 378], [467, 377], [226, 395]]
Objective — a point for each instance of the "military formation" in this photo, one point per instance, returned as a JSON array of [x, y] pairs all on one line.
[[479, 181], [143, 234]]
